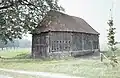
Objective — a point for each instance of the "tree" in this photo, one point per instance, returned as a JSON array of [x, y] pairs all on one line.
[[111, 37], [111, 42], [18, 17]]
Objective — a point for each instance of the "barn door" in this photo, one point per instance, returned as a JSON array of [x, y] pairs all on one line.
[[43, 50], [39, 45], [43, 45], [40, 50]]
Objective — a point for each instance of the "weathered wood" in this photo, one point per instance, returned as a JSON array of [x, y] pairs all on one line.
[[60, 41], [48, 43], [71, 42], [77, 40], [32, 50], [39, 45], [45, 44], [82, 41], [67, 33]]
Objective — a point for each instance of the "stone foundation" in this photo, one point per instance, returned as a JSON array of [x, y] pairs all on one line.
[[58, 55]]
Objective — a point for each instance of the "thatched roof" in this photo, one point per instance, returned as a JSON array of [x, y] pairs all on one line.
[[64, 22]]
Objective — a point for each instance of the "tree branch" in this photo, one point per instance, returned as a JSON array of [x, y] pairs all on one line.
[[20, 2], [28, 3], [5, 7]]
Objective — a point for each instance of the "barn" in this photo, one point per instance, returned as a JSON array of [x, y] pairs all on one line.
[[63, 35]]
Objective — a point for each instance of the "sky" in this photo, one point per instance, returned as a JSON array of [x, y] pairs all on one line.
[[96, 13]]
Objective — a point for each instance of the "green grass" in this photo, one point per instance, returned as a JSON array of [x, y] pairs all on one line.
[[77, 67], [17, 53]]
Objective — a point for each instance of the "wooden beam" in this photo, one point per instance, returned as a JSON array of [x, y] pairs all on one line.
[[82, 41], [71, 42], [32, 50], [48, 42]]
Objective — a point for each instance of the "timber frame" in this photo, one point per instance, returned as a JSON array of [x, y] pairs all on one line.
[[63, 37], [62, 44]]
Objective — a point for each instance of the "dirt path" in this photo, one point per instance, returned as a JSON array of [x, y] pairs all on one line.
[[2, 76], [41, 74]]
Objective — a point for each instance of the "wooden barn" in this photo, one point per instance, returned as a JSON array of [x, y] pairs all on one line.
[[63, 36]]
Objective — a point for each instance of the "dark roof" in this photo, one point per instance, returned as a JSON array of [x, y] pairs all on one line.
[[64, 22]]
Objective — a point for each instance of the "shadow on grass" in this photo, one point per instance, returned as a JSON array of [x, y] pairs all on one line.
[[27, 58], [20, 58], [23, 58]]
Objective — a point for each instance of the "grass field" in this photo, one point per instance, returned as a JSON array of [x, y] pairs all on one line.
[[12, 53], [87, 68]]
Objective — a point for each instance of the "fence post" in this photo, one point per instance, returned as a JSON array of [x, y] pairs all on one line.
[[101, 58]]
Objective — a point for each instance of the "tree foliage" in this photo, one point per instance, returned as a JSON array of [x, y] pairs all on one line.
[[17, 17], [111, 37], [112, 43]]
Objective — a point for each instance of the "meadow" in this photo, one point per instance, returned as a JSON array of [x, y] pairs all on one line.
[[20, 59]]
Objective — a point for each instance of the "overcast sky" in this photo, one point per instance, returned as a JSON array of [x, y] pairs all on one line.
[[96, 13]]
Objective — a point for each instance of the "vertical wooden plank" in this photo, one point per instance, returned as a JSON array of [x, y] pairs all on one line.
[[48, 43], [92, 42], [83, 42], [98, 44], [71, 41], [101, 57], [32, 50], [40, 42]]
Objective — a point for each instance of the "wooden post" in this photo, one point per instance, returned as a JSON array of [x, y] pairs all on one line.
[[98, 44], [101, 58], [71, 43], [32, 49], [48, 43], [92, 45]]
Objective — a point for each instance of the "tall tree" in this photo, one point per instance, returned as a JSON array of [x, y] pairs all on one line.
[[20, 16], [111, 41], [111, 36]]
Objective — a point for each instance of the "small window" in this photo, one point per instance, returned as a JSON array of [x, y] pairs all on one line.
[[66, 47], [66, 41], [95, 45], [52, 47], [57, 48], [52, 42], [60, 41], [69, 48]]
